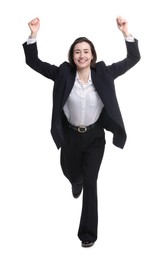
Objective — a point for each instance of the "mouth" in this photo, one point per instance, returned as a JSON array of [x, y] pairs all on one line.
[[82, 61]]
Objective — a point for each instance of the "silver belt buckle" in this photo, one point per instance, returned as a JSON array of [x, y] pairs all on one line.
[[82, 129]]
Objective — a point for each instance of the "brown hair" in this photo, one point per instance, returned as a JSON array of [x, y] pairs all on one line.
[[79, 40]]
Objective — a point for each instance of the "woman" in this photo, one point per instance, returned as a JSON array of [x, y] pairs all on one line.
[[84, 104]]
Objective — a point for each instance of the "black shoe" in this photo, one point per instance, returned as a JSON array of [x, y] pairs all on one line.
[[76, 190], [87, 244]]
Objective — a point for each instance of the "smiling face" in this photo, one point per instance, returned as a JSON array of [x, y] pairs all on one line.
[[82, 55]]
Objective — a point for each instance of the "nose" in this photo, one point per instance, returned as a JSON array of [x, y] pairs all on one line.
[[81, 54]]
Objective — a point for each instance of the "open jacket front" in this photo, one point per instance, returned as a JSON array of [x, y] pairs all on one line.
[[103, 77]]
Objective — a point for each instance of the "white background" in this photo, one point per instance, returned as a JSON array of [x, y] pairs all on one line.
[[38, 217]]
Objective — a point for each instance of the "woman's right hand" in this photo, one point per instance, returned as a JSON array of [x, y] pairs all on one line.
[[34, 26]]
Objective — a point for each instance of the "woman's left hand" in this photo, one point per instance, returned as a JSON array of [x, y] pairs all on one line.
[[122, 25]]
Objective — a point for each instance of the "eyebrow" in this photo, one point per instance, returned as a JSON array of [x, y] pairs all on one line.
[[80, 50]]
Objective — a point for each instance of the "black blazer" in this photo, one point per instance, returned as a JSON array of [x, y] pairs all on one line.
[[103, 77]]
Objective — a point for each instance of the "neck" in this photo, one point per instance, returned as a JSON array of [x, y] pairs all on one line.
[[84, 75]]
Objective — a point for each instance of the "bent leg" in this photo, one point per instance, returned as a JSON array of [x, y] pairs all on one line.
[[71, 158]]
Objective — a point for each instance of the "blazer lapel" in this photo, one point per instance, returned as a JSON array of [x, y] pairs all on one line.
[[69, 85], [97, 84]]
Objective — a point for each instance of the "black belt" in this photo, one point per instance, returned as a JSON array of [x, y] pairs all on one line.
[[82, 128]]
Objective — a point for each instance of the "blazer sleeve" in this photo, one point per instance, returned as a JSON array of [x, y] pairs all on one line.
[[133, 56], [32, 60]]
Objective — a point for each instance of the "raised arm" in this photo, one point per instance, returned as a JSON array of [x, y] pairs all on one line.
[[31, 54], [133, 54]]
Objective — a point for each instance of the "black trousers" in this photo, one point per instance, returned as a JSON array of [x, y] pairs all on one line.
[[81, 158]]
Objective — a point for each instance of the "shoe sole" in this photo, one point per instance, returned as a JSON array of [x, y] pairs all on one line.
[[87, 245]]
